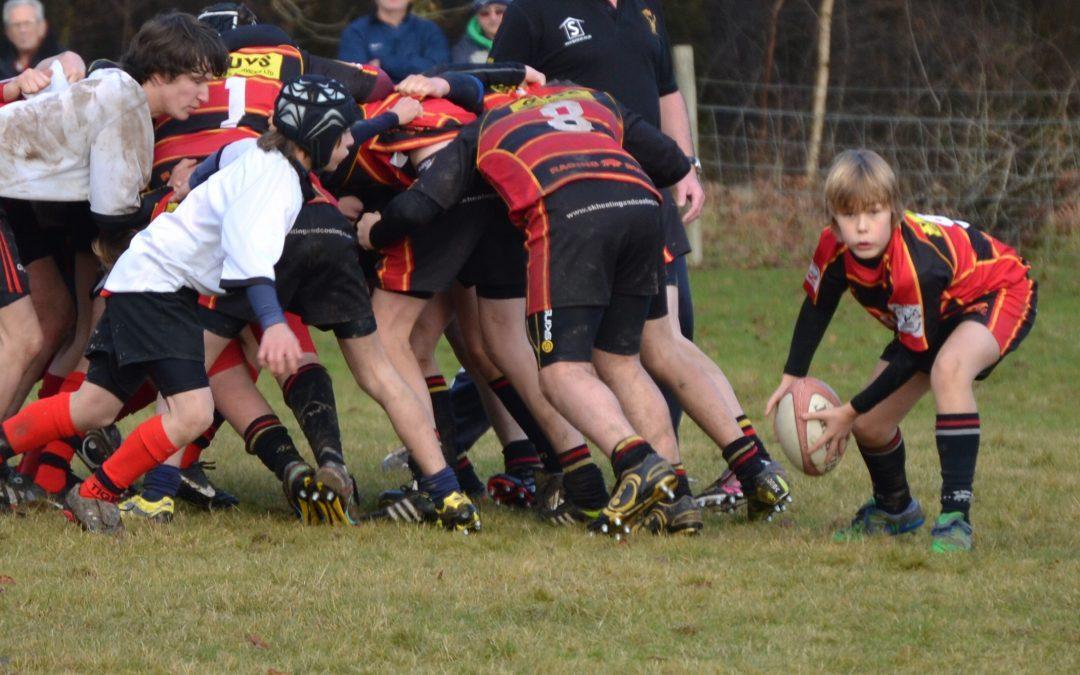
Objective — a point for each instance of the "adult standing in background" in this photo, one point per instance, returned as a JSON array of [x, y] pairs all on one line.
[[28, 37], [394, 40], [473, 47], [621, 47]]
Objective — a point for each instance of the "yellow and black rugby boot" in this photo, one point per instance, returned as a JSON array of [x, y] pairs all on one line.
[[768, 494], [675, 517], [457, 513], [639, 488], [298, 483], [335, 495], [137, 508]]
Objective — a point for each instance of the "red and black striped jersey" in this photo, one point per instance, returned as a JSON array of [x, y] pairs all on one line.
[[932, 269], [530, 147], [384, 159]]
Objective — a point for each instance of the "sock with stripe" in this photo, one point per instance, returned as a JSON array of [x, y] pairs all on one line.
[[466, 475], [514, 405], [628, 452], [162, 481], [582, 479], [143, 449], [682, 488], [35, 425], [269, 440], [520, 459], [443, 406], [886, 467], [750, 432], [310, 395], [745, 459], [194, 449], [55, 467], [958, 447], [440, 484]]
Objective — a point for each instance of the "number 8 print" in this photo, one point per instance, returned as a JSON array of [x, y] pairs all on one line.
[[566, 116]]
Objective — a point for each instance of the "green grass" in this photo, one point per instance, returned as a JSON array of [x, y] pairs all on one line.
[[252, 591]]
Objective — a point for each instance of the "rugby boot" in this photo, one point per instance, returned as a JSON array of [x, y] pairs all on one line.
[[872, 521], [637, 490], [397, 460], [509, 490], [677, 517], [28, 495], [724, 494], [412, 506], [768, 495], [98, 445], [196, 488], [336, 495], [553, 507], [138, 508], [299, 484], [457, 513], [951, 533], [394, 495], [97, 514]]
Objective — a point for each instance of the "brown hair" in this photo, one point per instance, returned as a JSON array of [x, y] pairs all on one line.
[[859, 179], [111, 244], [275, 140], [175, 44]]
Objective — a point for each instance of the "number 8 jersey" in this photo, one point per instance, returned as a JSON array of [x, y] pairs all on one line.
[[531, 147]]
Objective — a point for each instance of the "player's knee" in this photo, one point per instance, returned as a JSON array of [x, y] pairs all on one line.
[[24, 345], [870, 433], [195, 415], [555, 378], [949, 371]]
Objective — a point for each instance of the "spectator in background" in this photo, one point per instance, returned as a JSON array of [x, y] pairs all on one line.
[[28, 38], [480, 31], [394, 40]]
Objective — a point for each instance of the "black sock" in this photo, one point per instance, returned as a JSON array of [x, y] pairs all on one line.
[[582, 479], [520, 459], [683, 486], [443, 406], [886, 467], [466, 475], [514, 405], [750, 432], [310, 395], [269, 440], [628, 452], [745, 459], [958, 448]]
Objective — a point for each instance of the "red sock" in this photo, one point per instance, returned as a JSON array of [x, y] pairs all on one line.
[[191, 455], [55, 462], [40, 422], [143, 449], [73, 381], [143, 397], [51, 385]]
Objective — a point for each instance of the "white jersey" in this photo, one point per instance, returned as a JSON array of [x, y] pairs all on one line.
[[92, 142], [227, 233]]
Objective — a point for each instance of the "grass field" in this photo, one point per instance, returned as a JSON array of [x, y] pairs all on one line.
[[252, 591]]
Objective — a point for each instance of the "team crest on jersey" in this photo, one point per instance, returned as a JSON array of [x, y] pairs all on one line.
[[931, 225], [651, 18], [536, 101], [574, 29], [255, 65], [813, 276], [909, 319]]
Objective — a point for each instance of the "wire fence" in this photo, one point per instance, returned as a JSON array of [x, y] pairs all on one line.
[[1006, 159]]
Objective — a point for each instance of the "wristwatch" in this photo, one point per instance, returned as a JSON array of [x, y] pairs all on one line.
[[695, 162]]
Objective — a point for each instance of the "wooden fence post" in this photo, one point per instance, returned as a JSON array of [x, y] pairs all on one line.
[[683, 56]]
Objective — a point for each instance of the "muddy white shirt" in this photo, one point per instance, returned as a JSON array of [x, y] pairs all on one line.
[[227, 233], [94, 141]]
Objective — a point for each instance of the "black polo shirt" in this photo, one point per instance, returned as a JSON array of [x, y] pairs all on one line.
[[622, 50]]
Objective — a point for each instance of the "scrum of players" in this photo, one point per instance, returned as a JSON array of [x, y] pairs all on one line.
[[219, 192]]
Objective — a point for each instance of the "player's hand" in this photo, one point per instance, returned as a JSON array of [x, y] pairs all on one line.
[[181, 173], [74, 66], [689, 190], [279, 350], [407, 109], [363, 228], [534, 76], [32, 80], [785, 383], [421, 86], [838, 422], [351, 207]]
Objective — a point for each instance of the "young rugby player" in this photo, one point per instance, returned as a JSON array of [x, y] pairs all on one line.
[[957, 301], [151, 329]]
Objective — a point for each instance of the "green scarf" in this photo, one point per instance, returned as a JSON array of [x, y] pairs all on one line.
[[476, 34]]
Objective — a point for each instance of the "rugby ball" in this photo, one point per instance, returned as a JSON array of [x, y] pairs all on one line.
[[798, 436]]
